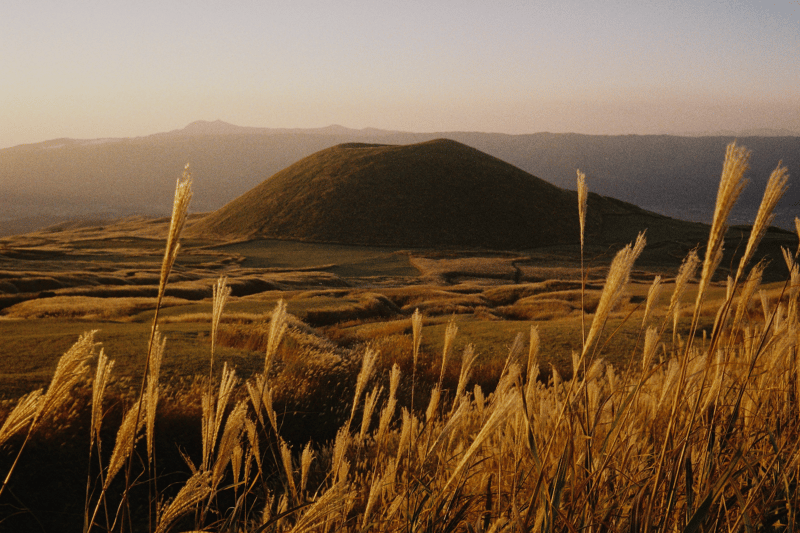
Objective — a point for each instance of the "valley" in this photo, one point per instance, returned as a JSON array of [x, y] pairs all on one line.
[[60, 282]]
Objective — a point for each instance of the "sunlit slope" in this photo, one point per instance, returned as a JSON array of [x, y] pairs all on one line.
[[435, 193]]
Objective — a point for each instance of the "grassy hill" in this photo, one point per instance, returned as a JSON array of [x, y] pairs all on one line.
[[429, 194], [66, 179]]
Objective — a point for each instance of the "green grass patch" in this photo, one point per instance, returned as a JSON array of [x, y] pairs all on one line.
[[347, 261], [31, 350]]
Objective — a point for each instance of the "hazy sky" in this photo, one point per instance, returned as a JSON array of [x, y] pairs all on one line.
[[90, 69]]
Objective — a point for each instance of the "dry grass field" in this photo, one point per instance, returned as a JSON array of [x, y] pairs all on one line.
[[271, 385]]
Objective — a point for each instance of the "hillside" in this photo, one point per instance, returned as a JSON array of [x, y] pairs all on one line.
[[430, 194], [67, 179]]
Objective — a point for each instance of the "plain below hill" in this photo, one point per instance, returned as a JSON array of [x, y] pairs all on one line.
[[438, 193]]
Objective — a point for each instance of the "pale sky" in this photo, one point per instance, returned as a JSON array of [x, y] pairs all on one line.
[[94, 69]]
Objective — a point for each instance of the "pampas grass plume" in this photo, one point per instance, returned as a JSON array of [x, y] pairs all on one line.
[[102, 375], [21, 415], [369, 406], [70, 370], [332, 501], [305, 466], [416, 329], [616, 281], [126, 438], [277, 328], [731, 185], [502, 408], [686, 272], [468, 359], [367, 367], [286, 459], [252, 440], [261, 396], [533, 352], [212, 418], [220, 291], [180, 210], [583, 195], [748, 290], [340, 446], [650, 346], [652, 296], [449, 336], [433, 404], [231, 437], [196, 490], [388, 411], [776, 187]]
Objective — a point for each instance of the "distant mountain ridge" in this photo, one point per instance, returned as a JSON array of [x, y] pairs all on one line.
[[219, 127], [65, 179], [758, 132]]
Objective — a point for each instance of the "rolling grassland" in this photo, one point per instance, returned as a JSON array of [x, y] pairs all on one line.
[[677, 407]]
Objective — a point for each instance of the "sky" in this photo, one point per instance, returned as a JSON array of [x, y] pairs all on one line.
[[104, 68]]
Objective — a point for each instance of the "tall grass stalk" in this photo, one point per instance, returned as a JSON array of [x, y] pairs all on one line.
[[583, 197], [180, 210], [220, 293], [102, 376]]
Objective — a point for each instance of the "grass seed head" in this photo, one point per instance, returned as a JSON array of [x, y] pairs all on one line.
[[449, 336], [533, 352], [221, 290], [286, 459], [748, 290], [70, 370], [731, 184], [468, 359], [416, 330], [367, 367], [102, 375], [195, 491], [340, 446], [616, 281], [388, 411], [305, 466], [21, 415], [277, 328], [127, 435], [369, 406], [231, 438], [652, 296], [433, 404], [650, 346], [583, 195], [776, 187], [180, 210], [686, 272]]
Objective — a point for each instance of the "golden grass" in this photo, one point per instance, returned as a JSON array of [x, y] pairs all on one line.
[[540, 309], [86, 307], [694, 431], [448, 269]]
